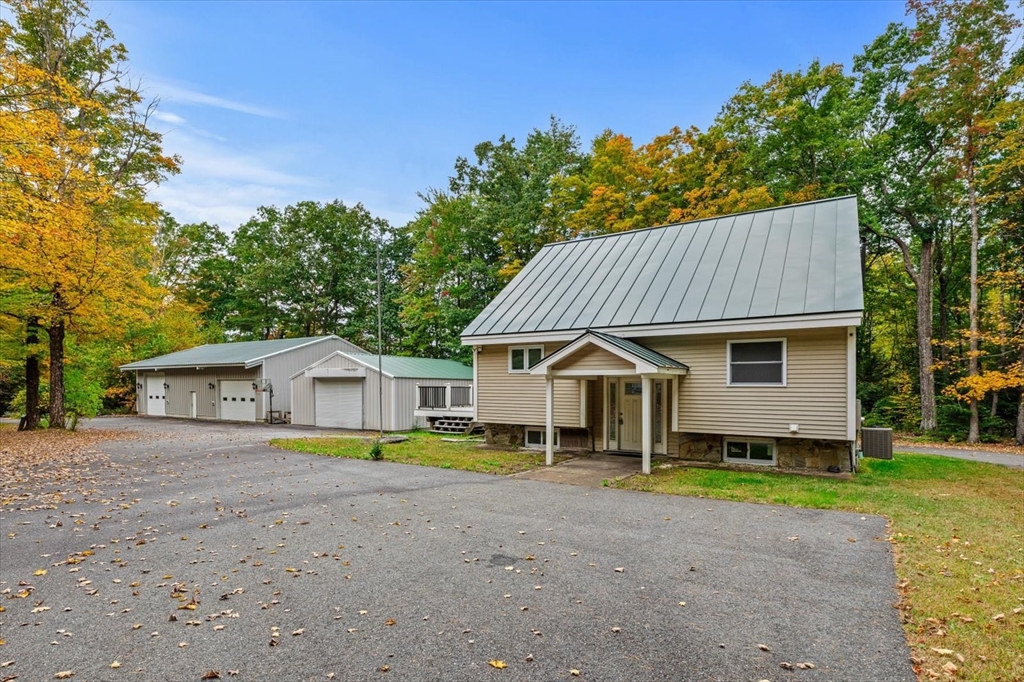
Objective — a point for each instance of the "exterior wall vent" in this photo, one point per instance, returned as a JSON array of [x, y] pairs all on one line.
[[876, 443]]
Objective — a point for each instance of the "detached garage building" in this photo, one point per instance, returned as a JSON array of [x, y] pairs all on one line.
[[342, 391], [220, 381]]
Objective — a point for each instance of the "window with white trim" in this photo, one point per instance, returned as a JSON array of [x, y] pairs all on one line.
[[757, 363], [537, 438], [522, 358], [748, 451]]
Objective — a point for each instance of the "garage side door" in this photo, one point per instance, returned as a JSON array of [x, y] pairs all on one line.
[[156, 404], [339, 404], [237, 400]]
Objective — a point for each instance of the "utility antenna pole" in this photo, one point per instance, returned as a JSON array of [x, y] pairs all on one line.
[[380, 342]]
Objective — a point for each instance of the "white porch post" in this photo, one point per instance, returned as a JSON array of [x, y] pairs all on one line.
[[549, 420], [646, 400]]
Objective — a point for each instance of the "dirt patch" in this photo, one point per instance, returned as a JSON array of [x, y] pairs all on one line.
[[40, 469]]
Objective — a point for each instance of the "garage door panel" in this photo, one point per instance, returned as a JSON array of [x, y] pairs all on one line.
[[338, 404], [156, 400], [237, 400]]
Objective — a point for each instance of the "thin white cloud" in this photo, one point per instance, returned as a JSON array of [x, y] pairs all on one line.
[[168, 117], [181, 95]]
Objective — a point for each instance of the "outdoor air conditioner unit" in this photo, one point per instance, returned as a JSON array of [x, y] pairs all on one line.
[[876, 443]]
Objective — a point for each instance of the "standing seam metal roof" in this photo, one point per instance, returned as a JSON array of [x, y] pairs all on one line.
[[792, 260], [211, 354], [416, 368], [637, 350]]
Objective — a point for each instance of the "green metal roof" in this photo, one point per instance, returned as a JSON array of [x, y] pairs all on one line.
[[791, 260], [642, 352], [415, 368], [213, 354]]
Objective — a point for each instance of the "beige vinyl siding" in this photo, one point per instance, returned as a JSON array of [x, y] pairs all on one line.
[[278, 368], [181, 382], [594, 358], [814, 396], [519, 398]]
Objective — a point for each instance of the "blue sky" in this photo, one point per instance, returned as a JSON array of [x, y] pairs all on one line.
[[272, 103]]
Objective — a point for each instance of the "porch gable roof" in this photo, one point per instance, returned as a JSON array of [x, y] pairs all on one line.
[[645, 360]]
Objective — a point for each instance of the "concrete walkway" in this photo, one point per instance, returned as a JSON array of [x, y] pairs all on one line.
[[1004, 458], [591, 471]]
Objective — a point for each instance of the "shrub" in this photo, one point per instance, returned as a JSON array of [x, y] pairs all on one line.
[[377, 450]]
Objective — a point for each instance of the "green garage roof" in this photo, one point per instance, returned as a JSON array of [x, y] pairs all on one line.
[[415, 368], [212, 354]]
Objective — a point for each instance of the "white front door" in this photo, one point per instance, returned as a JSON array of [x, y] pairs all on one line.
[[237, 400], [631, 416], [156, 401], [338, 404]]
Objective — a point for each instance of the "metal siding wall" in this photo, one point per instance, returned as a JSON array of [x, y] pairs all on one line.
[[182, 381], [371, 408], [279, 367], [302, 396]]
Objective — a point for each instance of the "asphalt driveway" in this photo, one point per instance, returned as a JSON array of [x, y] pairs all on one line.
[[303, 566]]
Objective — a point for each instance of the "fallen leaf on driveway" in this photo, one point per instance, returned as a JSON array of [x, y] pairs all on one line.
[[41, 571], [497, 664], [805, 666], [64, 675], [574, 672], [763, 647], [296, 633], [785, 665], [211, 675], [6, 663], [115, 665], [620, 569]]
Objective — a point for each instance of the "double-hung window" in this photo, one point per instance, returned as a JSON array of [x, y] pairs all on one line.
[[757, 363], [522, 358]]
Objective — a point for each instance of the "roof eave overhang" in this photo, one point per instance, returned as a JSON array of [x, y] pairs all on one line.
[[760, 324], [191, 365], [546, 366]]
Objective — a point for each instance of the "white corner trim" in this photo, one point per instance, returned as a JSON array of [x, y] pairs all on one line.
[[851, 383], [475, 390]]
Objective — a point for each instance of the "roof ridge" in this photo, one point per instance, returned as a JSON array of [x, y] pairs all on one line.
[[698, 220]]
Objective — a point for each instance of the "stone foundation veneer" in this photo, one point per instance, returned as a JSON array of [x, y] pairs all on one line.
[[791, 453], [504, 435]]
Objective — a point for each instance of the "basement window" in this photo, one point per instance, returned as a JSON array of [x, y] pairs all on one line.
[[537, 438], [749, 451]]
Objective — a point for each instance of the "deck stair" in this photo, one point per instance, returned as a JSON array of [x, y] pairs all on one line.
[[460, 425]]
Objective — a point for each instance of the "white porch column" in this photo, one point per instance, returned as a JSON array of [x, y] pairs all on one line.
[[647, 433], [549, 420]]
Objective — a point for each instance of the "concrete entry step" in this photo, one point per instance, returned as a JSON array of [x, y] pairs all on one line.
[[590, 471]]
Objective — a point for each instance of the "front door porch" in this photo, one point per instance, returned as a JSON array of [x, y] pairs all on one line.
[[637, 381]]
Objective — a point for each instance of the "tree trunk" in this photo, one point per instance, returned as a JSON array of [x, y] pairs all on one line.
[[57, 414], [32, 376], [1020, 407], [924, 336], [973, 432], [994, 410]]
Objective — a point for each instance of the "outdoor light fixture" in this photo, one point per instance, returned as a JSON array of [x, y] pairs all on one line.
[[138, 386], [210, 385], [166, 387], [254, 386]]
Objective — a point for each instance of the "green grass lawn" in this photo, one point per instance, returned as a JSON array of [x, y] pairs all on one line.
[[425, 449], [958, 530]]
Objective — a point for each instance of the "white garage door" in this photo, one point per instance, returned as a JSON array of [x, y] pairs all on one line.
[[339, 404], [237, 400], [155, 399]]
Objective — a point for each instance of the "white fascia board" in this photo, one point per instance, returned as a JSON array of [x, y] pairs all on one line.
[[364, 364], [215, 365], [256, 361], [544, 366], [763, 324], [315, 364]]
